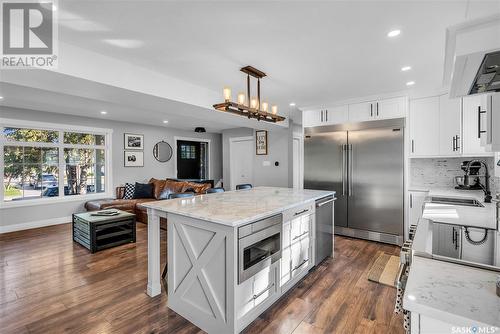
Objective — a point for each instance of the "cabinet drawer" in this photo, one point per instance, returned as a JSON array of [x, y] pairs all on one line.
[[300, 256], [297, 211], [255, 290], [244, 298], [300, 227], [264, 285]]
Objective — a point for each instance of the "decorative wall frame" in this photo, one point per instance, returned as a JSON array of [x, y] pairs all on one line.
[[162, 151], [261, 142], [133, 159], [133, 141]]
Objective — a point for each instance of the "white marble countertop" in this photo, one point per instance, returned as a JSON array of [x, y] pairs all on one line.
[[484, 217], [233, 208], [456, 294]]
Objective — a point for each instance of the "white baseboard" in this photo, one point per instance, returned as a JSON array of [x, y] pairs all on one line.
[[34, 224]]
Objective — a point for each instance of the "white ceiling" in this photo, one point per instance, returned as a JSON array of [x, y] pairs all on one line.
[[315, 53]]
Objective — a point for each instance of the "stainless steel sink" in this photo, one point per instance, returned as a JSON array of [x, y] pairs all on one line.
[[456, 201]]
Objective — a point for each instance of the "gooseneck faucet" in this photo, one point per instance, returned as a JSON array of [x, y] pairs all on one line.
[[486, 187]]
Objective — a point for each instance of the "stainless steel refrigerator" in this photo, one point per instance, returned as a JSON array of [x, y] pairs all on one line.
[[364, 164]]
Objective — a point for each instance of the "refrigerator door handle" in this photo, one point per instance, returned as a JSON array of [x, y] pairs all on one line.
[[343, 168], [350, 169]]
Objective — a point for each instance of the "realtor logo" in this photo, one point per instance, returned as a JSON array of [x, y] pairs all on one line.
[[28, 34]]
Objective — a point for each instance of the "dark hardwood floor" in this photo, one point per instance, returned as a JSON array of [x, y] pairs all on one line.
[[48, 284]]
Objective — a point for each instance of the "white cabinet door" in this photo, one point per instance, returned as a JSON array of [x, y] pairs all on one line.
[[493, 122], [483, 253], [416, 202], [449, 126], [255, 290], [446, 240], [471, 127], [335, 115], [286, 234], [360, 112], [424, 126], [244, 298], [264, 284], [305, 250], [295, 254], [286, 265], [390, 108], [311, 118], [295, 229]]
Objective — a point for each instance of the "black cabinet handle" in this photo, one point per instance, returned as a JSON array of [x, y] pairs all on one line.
[[479, 112], [301, 212], [377, 108], [457, 141], [412, 146], [454, 145], [371, 109]]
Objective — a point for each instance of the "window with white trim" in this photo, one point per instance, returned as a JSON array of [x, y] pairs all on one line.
[[43, 163]]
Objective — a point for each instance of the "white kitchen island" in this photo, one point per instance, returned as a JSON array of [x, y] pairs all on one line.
[[205, 234]]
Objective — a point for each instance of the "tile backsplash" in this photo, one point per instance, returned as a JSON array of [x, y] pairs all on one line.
[[441, 172]]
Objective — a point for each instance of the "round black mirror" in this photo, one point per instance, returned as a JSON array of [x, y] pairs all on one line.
[[162, 151]]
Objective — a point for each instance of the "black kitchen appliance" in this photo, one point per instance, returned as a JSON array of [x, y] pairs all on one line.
[[470, 180]]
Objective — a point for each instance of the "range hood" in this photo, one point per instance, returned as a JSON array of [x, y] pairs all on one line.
[[488, 75], [472, 57]]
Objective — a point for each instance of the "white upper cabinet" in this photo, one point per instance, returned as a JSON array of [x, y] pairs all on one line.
[[356, 112], [390, 108], [474, 125], [336, 115], [375, 110], [492, 126], [359, 112], [450, 116], [441, 127], [311, 118], [424, 126], [327, 116]]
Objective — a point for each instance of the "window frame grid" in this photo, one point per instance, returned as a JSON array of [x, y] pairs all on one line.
[[61, 128]]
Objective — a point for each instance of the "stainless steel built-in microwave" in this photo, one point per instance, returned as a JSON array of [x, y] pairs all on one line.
[[259, 245]]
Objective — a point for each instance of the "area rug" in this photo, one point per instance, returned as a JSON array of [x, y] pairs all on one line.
[[384, 270]]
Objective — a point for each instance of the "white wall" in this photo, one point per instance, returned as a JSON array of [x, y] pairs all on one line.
[[22, 217], [279, 150]]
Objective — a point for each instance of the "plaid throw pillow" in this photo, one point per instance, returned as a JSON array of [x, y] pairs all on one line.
[[129, 191]]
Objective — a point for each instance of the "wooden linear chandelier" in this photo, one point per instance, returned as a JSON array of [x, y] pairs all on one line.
[[247, 106]]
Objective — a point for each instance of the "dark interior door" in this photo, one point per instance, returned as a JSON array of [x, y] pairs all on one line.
[[190, 160]]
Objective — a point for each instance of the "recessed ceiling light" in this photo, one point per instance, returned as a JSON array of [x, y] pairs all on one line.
[[410, 83], [165, 122], [393, 33], [1, 97], [292, 104], [103, 112], [405, 68]]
